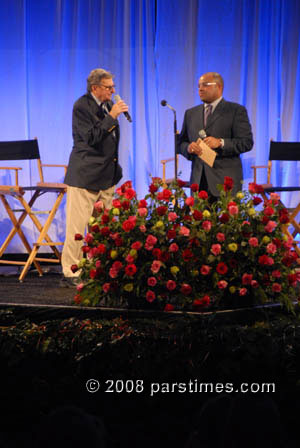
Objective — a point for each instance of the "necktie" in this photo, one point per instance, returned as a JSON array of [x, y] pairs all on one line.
[[104, 109], [207, 112]]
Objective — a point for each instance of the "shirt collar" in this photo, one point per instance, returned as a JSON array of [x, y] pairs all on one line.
[[214, 103], [96, 99]]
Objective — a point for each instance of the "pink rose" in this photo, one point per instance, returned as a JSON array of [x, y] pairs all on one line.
[[184, 231], [172, 216], [106, 287], [206, 225], [80, 287], [99, 206], [216, 249], [205, 270], [222, 284], [270, 226], [129, 258], [271, 248], [155, 267], [233, 209], [243, 291], [253, 241], [276, 273], [113, 273], [254, 284], [173, 247], [142, 212], [142, 228]]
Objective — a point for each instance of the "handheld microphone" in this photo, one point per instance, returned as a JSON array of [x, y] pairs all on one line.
[[118, 98], [164, 103], [202, 134]]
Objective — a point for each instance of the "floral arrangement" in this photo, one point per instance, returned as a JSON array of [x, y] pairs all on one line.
[[173, 251]]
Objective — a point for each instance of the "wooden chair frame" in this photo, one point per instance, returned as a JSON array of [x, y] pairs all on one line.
[[282, 151], [19, 193]]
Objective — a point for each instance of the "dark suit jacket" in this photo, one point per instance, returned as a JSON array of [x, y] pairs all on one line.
[[230, 122], [93, 163]]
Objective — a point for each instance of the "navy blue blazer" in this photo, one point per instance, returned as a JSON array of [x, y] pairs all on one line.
[[93, 162], [230, 122]]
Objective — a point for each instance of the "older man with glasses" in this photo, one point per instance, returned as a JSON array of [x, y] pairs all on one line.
[[93, 169], [224, 127]]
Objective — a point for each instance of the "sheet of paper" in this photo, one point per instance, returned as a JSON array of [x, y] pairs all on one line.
[[208, 155]]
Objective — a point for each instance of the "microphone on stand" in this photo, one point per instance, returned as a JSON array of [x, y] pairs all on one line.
[[118, 98], [164, 103]]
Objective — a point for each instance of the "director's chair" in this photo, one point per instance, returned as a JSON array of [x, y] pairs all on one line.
[[29, 150], [282, 151]]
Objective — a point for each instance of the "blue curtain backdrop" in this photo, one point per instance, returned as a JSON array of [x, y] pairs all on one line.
[[157, 50]]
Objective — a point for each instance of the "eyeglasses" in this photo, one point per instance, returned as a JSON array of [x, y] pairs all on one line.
[[111, 88], [206, 84]]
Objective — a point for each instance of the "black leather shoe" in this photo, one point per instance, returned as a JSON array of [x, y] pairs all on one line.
[[69, 282]]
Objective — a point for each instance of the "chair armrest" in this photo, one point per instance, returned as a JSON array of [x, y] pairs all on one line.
[[51, 165], [16, 169], [256, 167]]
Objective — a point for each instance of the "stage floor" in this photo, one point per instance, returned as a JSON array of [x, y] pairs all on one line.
[[35, 290]]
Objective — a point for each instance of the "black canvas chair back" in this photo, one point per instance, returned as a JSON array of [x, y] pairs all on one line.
[[26, 197], [19, 150], [289, 151]]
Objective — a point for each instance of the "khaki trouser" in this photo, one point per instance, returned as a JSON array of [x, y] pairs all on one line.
[[80, 207]]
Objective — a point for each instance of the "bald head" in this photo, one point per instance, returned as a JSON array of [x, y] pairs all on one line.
[[210, 86]]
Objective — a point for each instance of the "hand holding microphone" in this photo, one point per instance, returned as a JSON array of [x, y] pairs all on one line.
[[120, 107]]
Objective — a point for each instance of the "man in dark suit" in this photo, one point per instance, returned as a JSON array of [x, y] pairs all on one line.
[[93, 169], [228, 132]]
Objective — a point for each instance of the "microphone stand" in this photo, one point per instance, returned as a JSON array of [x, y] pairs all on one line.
[[164, 103], [175, 146]]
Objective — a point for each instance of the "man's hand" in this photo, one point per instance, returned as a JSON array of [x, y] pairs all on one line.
[[194, 148], [118, 108], [212, 142]]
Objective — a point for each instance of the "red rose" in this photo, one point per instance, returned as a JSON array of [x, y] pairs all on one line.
[[129, 193], [78, 237], [93, 273], [187, 254], [105, 219], [197, 215], [169, 307], [256, 200], [74, 268], [101, 249], [186, 289], [202, 194], [150, 296], [128, 225], [142, 203], [130, 270], [166, 194], [269, 211], [181, 183], [156, 253], [162, 210], [255, 188], [78, 299], [171, 234], [201, 303], [224, 218], [105, 231], [119, 241], [222, 268], [194, 187], [125, 205], [95, 228], [228, 183], [153, 188], [171, 285]]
